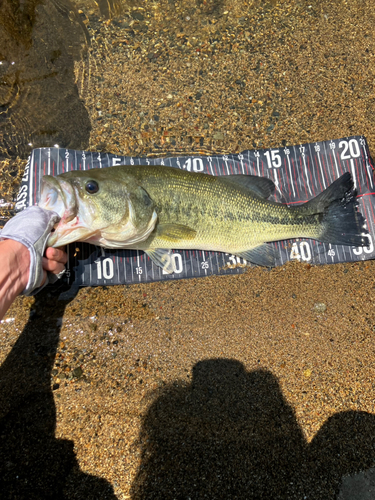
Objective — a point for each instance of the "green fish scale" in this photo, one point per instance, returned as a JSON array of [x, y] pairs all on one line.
[[226, 217]]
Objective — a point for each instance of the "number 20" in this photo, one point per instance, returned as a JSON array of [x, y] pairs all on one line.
[[351, 147], [177, 260]]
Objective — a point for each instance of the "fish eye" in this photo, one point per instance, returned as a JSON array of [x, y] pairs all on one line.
[[92, 187]]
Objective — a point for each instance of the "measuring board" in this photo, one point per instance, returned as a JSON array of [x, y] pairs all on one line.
[[299, 173]]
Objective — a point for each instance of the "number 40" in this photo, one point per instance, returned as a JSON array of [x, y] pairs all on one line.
[[301, 253]]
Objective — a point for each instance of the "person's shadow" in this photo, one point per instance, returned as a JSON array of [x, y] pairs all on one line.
[[230, 434], [33, 463]]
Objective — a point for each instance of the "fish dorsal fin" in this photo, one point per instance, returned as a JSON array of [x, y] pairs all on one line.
[[261, 186], [162, 257], [175, 232]]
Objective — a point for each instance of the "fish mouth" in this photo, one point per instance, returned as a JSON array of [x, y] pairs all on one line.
[[69, 231], [59, 196]]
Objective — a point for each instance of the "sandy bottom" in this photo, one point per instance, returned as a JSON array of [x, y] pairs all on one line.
[[251, 386], [256, 386]]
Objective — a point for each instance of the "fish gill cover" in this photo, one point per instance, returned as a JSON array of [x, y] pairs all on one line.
[[299, 173]]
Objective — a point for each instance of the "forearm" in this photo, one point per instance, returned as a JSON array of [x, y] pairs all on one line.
[[14, 272]]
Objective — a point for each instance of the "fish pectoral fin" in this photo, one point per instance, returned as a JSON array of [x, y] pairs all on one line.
[[162, 258], [263, 255], [175, 232], [261, 186]]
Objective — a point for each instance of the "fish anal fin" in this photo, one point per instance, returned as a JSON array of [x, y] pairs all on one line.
[[175, 232], [263, 255], [162, 257]]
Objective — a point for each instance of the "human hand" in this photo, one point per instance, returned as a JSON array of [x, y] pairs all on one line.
[[54, 262], [32, 227]]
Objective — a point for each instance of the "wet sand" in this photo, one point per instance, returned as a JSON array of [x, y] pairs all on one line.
[[251, 386]]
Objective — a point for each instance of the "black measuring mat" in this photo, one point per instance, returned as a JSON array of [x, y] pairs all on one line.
[[299, 172]]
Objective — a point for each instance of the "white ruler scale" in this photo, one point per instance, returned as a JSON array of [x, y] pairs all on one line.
[[300, 173]]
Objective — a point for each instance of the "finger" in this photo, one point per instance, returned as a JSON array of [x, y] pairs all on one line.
[[52, 266], [44, 277], [57, 254]]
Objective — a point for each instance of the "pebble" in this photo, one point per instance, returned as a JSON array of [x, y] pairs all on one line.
[[218, 136], [320, 307], [77, 372]]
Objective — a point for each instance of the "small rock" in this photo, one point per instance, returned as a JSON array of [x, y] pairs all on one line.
[[77, 372], [240, 83], [218, 136], [320, 307], [138, 16]]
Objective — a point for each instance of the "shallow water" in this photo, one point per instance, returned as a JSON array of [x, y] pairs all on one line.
[[222, 387]]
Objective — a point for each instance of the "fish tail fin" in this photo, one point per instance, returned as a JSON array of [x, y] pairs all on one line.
[[338, 190], [341, 222]]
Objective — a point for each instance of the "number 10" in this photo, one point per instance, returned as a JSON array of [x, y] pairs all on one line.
[[105, 269]]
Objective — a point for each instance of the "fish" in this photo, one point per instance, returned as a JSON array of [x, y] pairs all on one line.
[[158, 208]]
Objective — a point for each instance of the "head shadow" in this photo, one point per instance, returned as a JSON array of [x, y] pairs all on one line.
[[231, 434], [34, 464]]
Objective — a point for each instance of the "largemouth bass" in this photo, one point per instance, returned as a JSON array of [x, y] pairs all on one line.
[[157, 208]]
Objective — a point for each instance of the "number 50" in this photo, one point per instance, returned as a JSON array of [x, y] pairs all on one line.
[[368, 249]]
